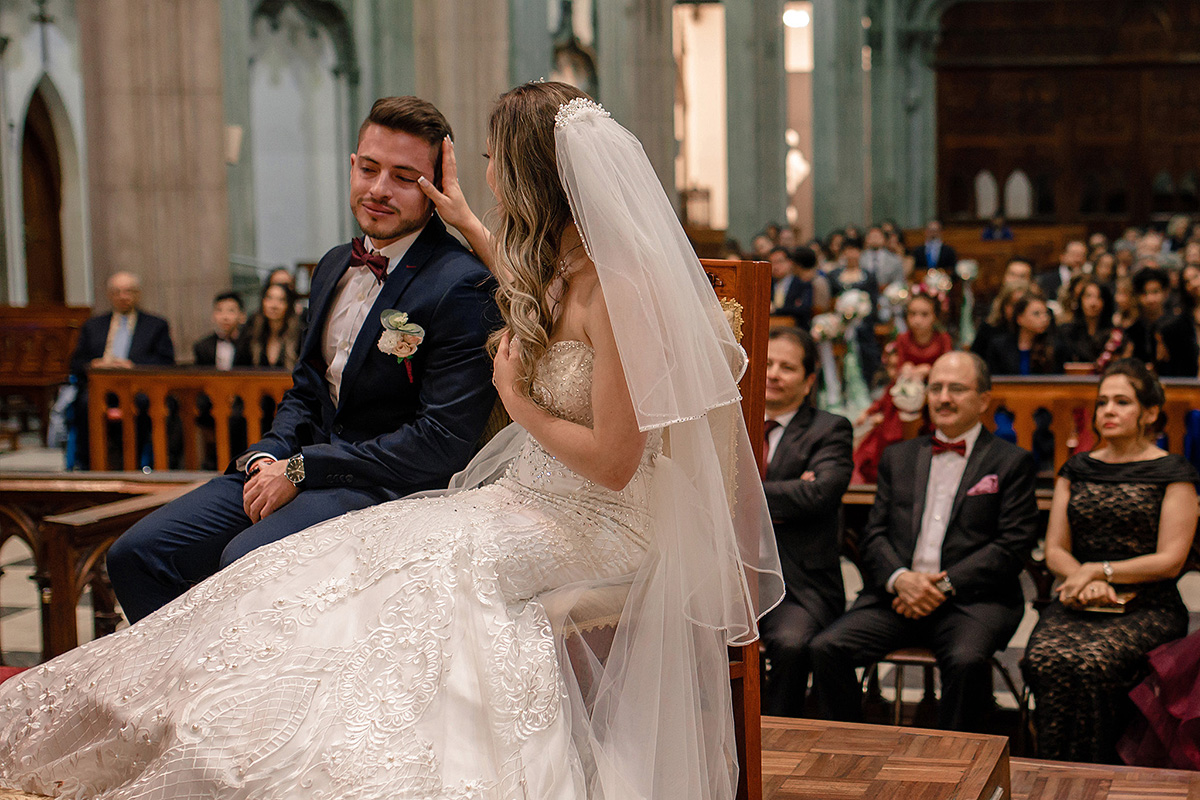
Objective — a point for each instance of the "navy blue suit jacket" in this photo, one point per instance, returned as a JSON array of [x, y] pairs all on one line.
[[150, 346], [387, 432]]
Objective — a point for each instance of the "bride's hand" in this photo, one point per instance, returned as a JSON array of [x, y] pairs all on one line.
[[450, 202], [504, 369]]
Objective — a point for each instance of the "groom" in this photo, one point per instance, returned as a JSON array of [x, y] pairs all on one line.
[[368, 419]]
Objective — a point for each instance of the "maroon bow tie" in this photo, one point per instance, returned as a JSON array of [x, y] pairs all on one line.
[[942, 446], [376, 262]]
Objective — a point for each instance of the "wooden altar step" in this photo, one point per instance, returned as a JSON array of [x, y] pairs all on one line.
[[817, 760]]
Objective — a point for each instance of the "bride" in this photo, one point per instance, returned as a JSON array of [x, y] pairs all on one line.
[[439, 647]]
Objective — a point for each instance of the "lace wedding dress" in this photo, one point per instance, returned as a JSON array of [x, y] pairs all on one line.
[[395, 652]]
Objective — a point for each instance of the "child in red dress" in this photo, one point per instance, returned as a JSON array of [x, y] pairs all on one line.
[[908, 359]]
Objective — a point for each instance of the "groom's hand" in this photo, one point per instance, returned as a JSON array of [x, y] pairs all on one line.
[[267, 490]]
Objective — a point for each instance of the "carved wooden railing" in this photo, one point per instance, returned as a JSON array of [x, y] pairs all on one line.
[[185, 385], [1069, 398], [36, 343]]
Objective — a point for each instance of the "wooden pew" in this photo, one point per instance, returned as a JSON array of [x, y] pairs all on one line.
[[27, 499], [1041, 244], [185, 385], [36, 343], [1065, 395]]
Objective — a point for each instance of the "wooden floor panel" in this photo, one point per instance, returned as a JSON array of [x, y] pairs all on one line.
[[816, 760]]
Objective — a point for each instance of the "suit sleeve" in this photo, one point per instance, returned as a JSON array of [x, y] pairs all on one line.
[[1016, 532], [85, 348], [162, 350], [456, 398], [832, 463], [877, 554]]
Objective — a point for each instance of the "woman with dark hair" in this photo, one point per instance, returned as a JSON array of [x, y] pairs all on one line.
[[1028, 347], [272, 336], [1121, 525], [1085, 336], [1179, 337]]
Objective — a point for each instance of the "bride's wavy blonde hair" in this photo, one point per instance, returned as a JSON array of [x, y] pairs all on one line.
[[531, 215]]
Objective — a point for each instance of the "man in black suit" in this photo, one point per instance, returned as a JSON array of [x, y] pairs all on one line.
[[935, 252], [954, 518], [808, 465], [219, 348], [125, 337], [370, 416], [1070, 264]]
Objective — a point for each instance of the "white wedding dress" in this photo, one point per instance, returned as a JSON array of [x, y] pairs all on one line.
[[395, 652]]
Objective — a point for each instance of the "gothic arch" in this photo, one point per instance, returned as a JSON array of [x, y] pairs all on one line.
[[327, 14], [76, 275]]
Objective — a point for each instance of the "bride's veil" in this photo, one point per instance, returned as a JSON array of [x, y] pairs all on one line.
[[651, 704]]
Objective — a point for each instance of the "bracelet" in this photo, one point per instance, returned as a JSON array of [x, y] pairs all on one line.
[[1108, 571]]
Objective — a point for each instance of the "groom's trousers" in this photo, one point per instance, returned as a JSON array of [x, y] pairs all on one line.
[[204, 531]]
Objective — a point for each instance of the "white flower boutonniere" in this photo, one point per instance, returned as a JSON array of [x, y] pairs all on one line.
[[400, 338]]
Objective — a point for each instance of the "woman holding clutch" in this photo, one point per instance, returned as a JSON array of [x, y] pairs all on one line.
[[1121, 525]]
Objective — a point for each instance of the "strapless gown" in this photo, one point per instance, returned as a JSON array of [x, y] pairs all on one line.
[[395, 652]]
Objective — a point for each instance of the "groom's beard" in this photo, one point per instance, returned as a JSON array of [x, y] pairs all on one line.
[[389, 230]]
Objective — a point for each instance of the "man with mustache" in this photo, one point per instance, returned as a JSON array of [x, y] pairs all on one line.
[[954, 518], [365, 420]]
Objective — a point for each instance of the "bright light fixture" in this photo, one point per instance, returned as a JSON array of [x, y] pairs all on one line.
[[796, 18]]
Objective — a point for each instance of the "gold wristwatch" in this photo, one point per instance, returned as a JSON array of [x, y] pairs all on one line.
[[295, 469]]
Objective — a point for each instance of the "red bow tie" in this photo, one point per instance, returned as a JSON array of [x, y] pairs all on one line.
[[376, 262], [942, 446]]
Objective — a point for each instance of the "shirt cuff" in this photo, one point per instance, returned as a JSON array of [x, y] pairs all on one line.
[[251, 458], [891, 581]]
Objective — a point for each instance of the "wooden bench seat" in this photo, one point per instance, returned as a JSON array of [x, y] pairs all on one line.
[[36, 343]]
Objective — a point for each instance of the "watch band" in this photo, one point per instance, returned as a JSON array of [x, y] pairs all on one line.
[[1108, 571]]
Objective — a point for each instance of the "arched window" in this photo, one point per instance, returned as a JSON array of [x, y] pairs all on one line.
[[987, 195], [1018, 196]]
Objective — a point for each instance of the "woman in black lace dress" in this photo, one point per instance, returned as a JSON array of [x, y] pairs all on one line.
[[1122, 520]]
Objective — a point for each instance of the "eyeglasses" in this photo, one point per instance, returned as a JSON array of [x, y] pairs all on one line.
[[955, 389]]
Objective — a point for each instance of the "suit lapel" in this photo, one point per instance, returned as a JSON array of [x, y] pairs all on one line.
[[794, 430], [319, 307], [972, 472], [393, 287], [920, 484]]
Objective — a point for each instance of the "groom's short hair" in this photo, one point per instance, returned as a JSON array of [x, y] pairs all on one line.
[[410, 115]]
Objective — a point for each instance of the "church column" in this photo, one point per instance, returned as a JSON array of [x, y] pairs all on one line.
[[636, 77], [920, 127], [888, 151], [236, 26], [839, 191], [461, 51], [155, 143], [531, 52], [756, 103]]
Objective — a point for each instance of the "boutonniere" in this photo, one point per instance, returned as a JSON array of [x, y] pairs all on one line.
[[400, 338]]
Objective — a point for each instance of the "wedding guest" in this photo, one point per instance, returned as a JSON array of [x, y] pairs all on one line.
[[272, 336], [1121, 522], [885, 265], [1071, 262], [954, 518], [935, 252], [219, 348], [1085, 336], [1018, 270], [997, 230], [1179, 337], [281, 276], [1104, 268], [916, 350], [1000, 315], [1150, 286], [849, 274], [1029, 346], [807, 471], [125, 337], [1126, 302]]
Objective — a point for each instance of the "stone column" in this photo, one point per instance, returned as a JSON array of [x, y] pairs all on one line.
[[531, 51], [888, 151], [155, 143], [636, 77], [920, 127], [839, 191], [461, 52], [756, 103], [235, 67]]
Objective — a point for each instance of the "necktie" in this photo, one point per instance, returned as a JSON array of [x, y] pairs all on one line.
[[376, 262], [768, 426], [942, 446], [121, 338]]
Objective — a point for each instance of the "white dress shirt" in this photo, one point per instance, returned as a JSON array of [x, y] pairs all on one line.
[[225, 353], [945, 474], [774, 437], [352, 301]]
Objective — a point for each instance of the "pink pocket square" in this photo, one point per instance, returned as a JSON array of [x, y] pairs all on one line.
[[988, 484]]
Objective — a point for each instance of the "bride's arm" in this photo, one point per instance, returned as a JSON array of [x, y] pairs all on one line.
[[452, 207], [610, 451]]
